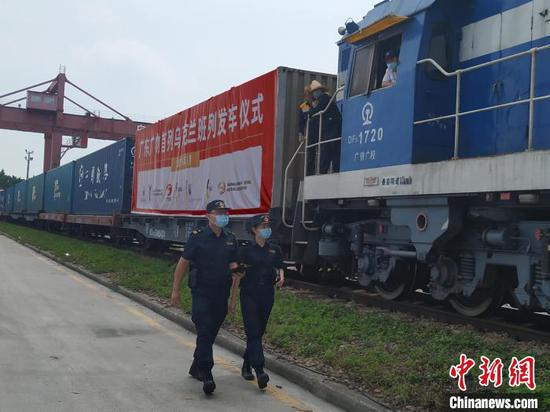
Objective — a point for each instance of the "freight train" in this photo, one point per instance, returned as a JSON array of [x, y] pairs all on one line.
[[443, 181]]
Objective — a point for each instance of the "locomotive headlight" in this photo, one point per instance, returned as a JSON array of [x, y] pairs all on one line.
[[349, 27]]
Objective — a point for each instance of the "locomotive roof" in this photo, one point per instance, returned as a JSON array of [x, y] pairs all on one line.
[[394, 7]]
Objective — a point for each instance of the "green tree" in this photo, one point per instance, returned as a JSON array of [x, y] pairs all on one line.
[[7, 181]]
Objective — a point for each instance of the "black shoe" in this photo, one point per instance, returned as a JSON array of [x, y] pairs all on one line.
[[246, 372], [262, 377], [195, 373], [208, 384]]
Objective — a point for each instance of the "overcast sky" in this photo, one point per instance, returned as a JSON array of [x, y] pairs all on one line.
[[150, 59]]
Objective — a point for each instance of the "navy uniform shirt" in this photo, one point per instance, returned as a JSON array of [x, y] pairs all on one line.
[[261, 263], [211, 255], [332, 119]]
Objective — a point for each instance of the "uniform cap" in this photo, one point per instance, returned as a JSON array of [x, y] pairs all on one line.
[[257, 220], [216, 205]]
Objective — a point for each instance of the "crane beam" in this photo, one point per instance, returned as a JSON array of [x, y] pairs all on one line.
[[54, 123]]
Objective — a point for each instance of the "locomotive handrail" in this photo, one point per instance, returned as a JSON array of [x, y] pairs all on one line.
[[318, 151], [302, 220], [458, 74], [319, 142], [283, 217]]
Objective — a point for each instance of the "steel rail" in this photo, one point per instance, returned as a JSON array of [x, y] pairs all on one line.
[[424, 305]]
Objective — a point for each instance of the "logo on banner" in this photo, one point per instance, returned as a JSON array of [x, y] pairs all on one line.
[[168, 190], [222, 187]]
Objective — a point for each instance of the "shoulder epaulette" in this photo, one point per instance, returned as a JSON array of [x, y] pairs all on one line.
[[229, 232]]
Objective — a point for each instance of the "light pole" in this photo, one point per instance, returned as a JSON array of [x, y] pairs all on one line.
[[28, 158]]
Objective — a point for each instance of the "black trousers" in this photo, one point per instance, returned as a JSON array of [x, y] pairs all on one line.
[[256, 305], [209, 308], [330, 154]]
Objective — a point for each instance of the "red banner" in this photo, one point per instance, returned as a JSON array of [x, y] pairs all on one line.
[[219, 149]]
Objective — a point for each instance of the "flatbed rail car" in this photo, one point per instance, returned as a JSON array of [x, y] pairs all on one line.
[[444, 181]]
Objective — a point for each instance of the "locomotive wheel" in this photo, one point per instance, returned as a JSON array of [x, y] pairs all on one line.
[[483, 301], [399, 282]]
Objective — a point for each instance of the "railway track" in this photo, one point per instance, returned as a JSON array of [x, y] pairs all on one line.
[[516, 324], [521, 326]]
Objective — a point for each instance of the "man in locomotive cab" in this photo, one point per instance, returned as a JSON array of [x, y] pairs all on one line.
[[331, 127], [390, 77], [212, 252]]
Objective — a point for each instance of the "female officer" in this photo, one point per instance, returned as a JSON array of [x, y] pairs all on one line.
[[264, 268]]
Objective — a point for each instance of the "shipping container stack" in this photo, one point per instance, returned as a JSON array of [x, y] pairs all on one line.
[[35, 194], [8, 202], [103, 180], [58, 186], [20, 197], [2, 201]]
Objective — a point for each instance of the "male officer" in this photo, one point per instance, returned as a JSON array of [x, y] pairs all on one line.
[[213, 254]]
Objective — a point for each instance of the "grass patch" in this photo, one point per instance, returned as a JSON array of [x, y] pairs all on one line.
[[401, 359]]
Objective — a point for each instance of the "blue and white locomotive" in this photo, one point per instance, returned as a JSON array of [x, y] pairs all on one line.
[[444, 181]]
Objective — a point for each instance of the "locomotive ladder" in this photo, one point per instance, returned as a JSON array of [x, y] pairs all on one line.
[[304, 221]]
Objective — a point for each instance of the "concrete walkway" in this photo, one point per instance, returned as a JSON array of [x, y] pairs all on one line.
[[69, 344]]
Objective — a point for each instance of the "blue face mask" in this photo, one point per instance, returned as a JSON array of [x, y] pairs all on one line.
[[265, 233], [222, 220], [392, 66], [317, 93]]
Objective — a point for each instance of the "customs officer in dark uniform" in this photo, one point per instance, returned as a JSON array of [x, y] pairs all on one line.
[[264, 268], [212, 253]]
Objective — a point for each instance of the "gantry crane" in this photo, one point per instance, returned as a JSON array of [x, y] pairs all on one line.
[[44, 113]]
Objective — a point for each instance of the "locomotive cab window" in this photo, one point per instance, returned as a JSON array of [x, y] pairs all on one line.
[[385, 69], [375, 66], [362, 65]]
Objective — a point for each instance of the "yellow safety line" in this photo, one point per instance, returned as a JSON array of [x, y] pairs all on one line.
[[275, 392]]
